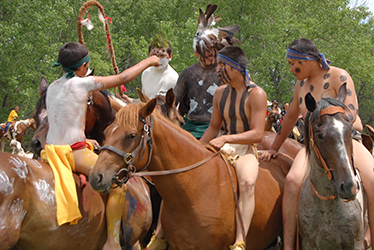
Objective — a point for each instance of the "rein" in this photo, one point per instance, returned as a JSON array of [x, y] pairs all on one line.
[[131, 171]]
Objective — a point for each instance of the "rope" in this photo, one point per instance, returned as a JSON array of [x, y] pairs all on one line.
[[82, 10]]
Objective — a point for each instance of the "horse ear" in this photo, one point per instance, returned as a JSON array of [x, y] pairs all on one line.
[[170, 98], [148, 108], [310, 102], [142, 96], [43, 85], [342, 92], [92, 73]]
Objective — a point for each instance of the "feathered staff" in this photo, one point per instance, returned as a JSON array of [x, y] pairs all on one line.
[[87, 22], [208, 36]]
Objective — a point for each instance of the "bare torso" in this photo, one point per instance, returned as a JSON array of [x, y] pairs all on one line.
[[199, 85]]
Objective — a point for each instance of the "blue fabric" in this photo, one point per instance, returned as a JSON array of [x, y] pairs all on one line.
[[293, 54], [7, 127], [235, 65]]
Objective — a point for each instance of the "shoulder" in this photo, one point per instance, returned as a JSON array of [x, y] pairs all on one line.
[[170, 71], [257, 92], [191, 68]]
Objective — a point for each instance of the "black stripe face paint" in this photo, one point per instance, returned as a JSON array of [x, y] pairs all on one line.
[[222, 73]]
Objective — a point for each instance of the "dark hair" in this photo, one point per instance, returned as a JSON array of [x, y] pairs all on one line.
[[70, 53], [304, 45], [235, 53]]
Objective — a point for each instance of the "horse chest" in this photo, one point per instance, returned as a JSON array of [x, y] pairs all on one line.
[[329, 225]]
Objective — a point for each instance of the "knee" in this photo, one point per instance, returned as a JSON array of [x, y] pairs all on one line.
[[247, 185], [293, 182]]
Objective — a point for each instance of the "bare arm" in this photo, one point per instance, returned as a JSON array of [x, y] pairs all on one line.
[[287, 125], [128, 75]]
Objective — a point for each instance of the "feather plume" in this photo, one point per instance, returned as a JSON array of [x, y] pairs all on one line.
[[208, 36]]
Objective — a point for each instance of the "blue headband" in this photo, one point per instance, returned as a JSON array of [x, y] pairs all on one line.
[[293, 54], [69, 70], [237, 66]]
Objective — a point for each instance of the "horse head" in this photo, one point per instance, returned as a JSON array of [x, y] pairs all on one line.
[[128, 145], [328, 130], [166, 105]]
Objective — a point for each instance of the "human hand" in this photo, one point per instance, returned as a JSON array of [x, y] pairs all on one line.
[[154, 61], [127, 99], [218, 142], [266, 155]]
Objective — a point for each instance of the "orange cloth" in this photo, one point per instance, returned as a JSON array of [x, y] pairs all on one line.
[[61, 160]]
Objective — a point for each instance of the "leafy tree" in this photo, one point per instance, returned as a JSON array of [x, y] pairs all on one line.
[[31, 33]]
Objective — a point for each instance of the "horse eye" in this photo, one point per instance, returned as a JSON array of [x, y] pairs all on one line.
[[131, 136], [320, 136]]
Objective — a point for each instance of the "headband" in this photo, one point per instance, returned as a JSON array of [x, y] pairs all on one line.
[[69, 70], [237, 66], [293, 54]]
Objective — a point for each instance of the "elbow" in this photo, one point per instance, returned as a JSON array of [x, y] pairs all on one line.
[[258, 137]]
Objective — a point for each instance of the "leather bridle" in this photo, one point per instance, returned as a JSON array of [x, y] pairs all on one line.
[[331, 110], [129, 158]]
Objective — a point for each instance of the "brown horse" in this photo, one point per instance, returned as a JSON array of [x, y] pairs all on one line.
[[17, 131], [199, 208], [28, 210]]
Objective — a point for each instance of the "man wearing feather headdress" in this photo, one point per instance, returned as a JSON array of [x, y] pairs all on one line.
[[196, 84]]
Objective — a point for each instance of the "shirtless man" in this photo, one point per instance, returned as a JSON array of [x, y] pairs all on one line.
[[197, 84], [317, 77], [241, 106]]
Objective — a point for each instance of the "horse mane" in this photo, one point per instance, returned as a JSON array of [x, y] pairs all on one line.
[[313, 117], [129, 116]]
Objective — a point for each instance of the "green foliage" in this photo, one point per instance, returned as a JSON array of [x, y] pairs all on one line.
[[31, 33]]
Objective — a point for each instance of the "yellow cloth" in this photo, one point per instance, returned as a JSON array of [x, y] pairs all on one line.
[[61, 160], [12, 116]]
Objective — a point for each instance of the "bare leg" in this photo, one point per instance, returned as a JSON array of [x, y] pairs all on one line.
[[294, 181], [246, 168], [364, 161], [158, 241], [114, 211], [84, 162]]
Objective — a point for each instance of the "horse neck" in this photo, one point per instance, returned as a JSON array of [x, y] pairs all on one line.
[[175, 148], [318, 175]]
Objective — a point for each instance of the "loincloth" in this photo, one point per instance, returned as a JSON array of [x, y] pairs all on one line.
[[234, 151], [61, 160], [196, 128]]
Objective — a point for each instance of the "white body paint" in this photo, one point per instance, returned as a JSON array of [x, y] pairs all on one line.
[[66, 106], [157, 81]]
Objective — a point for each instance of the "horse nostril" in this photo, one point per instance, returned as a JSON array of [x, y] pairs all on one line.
[[101, 177], [36, 146]]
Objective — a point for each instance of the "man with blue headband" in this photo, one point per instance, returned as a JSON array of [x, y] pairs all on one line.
[[66, 146], [315, 76], [239, 106]]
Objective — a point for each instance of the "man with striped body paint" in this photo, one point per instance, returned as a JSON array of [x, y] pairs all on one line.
[[240, 105], [315, 76]]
